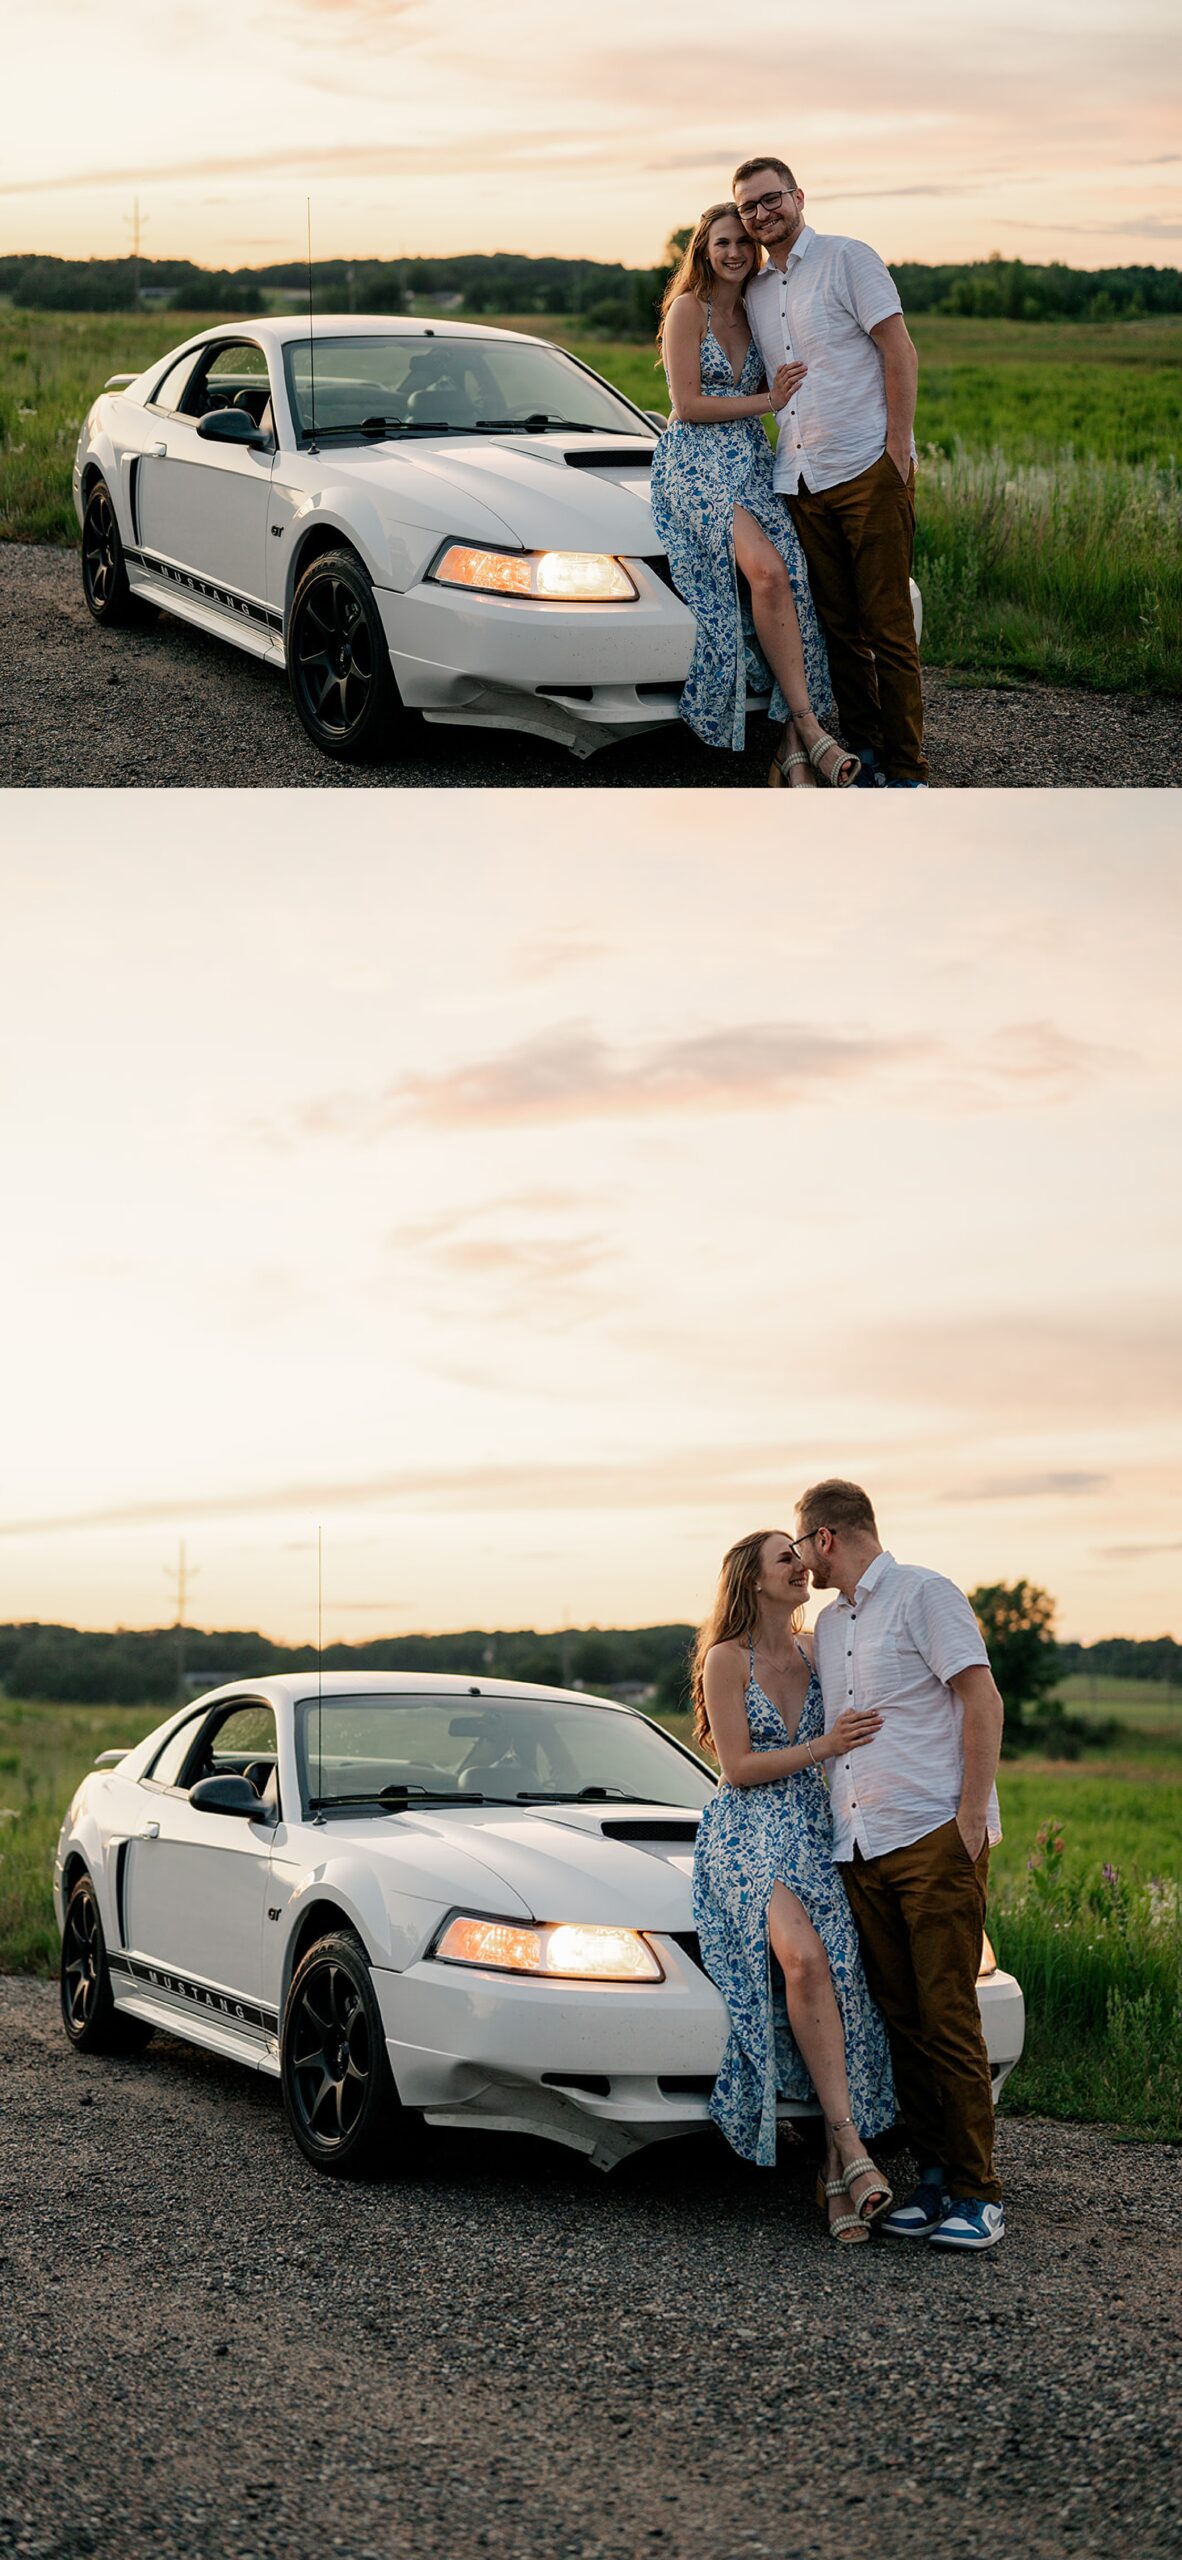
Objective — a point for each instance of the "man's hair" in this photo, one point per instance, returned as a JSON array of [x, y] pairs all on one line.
[[836, 1505], [766, 160]]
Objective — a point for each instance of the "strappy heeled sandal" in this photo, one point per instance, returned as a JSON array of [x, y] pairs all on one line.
[[781, 765], [847, 768], [881, 2196], [845, 2228]]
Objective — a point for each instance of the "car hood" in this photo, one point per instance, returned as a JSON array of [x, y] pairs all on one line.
[[528, 487], [629, 1864]]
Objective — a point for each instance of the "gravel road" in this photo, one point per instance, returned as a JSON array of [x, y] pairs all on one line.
[[209, 2352], [168, 705]]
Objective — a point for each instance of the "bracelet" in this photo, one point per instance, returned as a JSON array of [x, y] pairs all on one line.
[[812, 1754]]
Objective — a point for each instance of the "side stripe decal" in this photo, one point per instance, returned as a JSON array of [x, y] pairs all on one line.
[[194, 1995], [227, 597]]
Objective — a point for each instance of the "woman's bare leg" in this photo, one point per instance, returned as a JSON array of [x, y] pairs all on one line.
[[815, 2020], [777, 629]]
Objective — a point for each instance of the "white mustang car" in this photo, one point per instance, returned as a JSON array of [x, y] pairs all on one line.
[[421, 1897], [441, 519], [447, 518]]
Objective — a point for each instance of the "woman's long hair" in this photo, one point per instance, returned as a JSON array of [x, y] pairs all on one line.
[[734, 1615], [695, 274]]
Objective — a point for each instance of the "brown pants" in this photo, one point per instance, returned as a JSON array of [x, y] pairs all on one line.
[[858, 541], [921, 1913]]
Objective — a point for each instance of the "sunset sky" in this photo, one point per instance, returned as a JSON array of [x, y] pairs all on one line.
[[535, 1198], [422, 126]]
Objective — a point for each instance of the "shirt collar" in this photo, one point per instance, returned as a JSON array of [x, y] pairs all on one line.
[[797, 250], [870, 1579]]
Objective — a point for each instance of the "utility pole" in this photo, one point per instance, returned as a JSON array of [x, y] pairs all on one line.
[[133, 223], [181, 1580]]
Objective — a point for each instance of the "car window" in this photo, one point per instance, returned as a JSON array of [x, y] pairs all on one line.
[[165, 1769], [227, 377], [500, 1748], [454, 383], [246, 1733], [170, 393]]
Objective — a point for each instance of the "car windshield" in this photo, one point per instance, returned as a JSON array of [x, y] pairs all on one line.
[[490, 1750], [447, 385]]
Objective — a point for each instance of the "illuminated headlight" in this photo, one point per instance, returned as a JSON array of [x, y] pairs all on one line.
[[578, 1952], [562, 577], [988, 1963]]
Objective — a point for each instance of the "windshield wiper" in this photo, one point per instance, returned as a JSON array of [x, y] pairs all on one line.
[[395, 1799], [585, 1795], [545, 421], [374, 429]]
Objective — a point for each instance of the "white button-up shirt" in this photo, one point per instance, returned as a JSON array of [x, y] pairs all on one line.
[[896, 1646], [819, 310]]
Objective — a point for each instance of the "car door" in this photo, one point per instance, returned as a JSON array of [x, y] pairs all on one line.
[[202, 507], [195, 1885]]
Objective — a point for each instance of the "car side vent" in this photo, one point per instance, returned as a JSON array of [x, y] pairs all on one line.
[[591, 2082], [643, 1827], [610, 457]]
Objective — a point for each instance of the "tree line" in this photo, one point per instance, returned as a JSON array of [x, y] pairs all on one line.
[[616, 300], [138, 1667]]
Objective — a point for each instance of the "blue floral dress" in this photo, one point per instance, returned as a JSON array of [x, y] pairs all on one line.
[[700, 474], [749, 1839]]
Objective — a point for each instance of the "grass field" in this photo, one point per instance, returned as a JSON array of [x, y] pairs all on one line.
[[1050, 490], [1093, 1929]]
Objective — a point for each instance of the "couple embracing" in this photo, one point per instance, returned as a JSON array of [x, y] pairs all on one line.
[[764, 312], [840, 1870]]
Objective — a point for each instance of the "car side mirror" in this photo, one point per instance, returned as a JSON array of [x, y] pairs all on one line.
[[230, 1794], [658, 419], [230, 426]]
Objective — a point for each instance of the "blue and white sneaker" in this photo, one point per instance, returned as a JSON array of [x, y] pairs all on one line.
[[871, 777], [969, 2225], [922, 2212]]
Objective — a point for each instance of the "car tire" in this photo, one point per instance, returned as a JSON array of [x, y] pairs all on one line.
[[338, 664], [338, 2088], [104, 569], [89, 2015]]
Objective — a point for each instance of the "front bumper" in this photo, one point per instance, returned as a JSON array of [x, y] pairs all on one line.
[[603, 2067], [580, 675]]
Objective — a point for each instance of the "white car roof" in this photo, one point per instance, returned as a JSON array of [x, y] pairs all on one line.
[[292, 327], [284, 1688]]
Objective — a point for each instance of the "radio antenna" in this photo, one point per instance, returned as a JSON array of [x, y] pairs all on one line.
[[319, 1663], [312, 448]]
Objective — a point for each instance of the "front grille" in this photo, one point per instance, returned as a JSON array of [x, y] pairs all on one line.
[[688, 1941], [686, 2084], [568, 692], [658, 563]]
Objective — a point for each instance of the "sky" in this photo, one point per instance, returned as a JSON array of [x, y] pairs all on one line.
[[422, 127], [532, 1194]]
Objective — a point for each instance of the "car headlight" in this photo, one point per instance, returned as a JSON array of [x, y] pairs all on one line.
[[988, 1963], [577, 1952], [562, 577]]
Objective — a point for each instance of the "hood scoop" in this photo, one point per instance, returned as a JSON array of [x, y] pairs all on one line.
[[648, 1832], [611, 457]]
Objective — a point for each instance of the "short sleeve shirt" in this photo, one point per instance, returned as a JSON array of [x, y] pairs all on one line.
[[819, 310], [897, 1646]]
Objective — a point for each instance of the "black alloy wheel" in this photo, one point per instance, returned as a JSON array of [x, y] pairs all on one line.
[[338, 2089], [91, 2020], [338, 663], [104, 570]]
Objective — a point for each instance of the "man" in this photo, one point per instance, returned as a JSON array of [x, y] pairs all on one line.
[[913, 1816], [845, 460]]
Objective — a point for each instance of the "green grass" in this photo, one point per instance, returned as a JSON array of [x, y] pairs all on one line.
[[1099, 1958], [1050, 485]]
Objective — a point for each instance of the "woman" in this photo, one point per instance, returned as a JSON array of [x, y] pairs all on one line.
[[718, 515], [765, 1885]]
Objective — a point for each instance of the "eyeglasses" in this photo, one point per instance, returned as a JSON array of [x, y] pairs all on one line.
[[761, 204], [807, 1540]]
